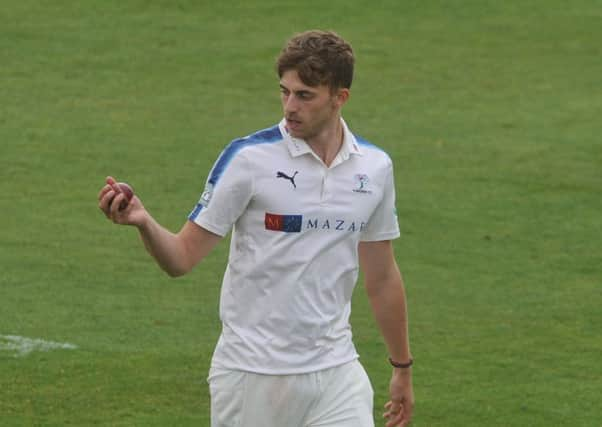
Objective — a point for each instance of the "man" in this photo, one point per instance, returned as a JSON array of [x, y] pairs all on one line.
[[309, 203]]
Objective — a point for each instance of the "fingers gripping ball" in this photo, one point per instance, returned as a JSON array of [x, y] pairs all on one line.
[[124, 188], [128, 192]]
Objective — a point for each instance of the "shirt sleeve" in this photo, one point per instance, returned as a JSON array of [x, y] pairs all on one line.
[[227, 193], [383, 224]]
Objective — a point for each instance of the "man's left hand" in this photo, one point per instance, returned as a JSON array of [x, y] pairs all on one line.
[[399, 408]]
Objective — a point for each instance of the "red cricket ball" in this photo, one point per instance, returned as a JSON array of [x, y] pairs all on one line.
[[128, 192], [125, 189]]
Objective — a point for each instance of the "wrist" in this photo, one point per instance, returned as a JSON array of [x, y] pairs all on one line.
[[401, 365], [144, 224]]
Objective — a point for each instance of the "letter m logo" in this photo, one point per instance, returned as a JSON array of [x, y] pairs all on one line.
[[286, 223]]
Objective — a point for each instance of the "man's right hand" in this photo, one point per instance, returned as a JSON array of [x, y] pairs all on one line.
[[109, 199]]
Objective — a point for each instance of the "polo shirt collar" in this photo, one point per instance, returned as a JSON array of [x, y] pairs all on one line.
[[298, 147]]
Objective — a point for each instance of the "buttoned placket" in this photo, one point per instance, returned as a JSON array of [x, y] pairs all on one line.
[[300, 147]]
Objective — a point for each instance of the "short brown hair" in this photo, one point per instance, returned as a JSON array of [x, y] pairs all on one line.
[[319, 57]]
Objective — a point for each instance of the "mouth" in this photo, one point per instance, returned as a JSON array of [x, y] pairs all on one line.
[[292, 123]]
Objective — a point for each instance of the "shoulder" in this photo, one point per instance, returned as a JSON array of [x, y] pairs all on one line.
[[372, 152], [232, 152], [265, 136]]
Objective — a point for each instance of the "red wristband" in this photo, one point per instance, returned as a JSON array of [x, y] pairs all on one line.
[[401, 365]]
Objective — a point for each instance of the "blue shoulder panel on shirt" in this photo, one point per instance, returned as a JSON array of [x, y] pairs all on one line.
[[262, 137], [364, 142]]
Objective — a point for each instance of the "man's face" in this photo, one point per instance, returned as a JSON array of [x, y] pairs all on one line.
[[308, 109]]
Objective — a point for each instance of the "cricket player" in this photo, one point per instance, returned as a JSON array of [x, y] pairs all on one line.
[[309, 204]]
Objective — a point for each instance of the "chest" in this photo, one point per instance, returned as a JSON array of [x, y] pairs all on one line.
[[343, 197]]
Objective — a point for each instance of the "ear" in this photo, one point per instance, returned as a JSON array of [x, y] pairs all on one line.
[[342, 96]]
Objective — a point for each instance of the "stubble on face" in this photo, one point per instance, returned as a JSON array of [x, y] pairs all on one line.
[[308, 110]]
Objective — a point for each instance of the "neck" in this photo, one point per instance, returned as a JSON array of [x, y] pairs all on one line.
[[327, 143]]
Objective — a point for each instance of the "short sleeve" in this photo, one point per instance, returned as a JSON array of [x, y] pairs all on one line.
[[226, 195], [383, 224]]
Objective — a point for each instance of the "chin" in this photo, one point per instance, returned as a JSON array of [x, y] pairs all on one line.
[[296, 134]]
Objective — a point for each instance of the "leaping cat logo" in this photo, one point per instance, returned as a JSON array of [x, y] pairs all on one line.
[[290, 178]]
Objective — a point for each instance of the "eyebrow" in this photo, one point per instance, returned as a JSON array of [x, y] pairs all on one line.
[[296, 91]]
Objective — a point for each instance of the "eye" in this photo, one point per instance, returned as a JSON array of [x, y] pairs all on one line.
[[304, 95]]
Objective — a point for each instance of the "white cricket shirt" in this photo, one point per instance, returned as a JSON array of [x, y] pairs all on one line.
[[293, 262]]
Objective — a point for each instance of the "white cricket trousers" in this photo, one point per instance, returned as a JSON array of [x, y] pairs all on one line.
[[336, 397]]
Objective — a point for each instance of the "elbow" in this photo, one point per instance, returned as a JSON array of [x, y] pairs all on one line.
[[373, 292], [178, 267], [175, 272], [383, 287]]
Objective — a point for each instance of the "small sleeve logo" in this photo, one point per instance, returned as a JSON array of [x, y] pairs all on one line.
[[206, 196]]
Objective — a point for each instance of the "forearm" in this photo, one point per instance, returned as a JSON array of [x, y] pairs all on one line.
[[388, 303], [164, 246]]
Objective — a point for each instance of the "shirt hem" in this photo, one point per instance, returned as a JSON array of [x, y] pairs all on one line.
[[209, 227], [296, 371]]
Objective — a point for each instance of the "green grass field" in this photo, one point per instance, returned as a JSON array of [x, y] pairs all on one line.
[[490, 111]]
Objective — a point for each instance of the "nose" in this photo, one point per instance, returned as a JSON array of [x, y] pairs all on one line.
[[290, 104]]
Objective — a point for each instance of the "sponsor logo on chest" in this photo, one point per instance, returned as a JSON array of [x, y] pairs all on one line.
[[297, 224]]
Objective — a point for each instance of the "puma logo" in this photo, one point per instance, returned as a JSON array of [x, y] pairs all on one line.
[[290, 178]]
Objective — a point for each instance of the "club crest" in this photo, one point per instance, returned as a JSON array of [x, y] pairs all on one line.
[[362, 183]]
